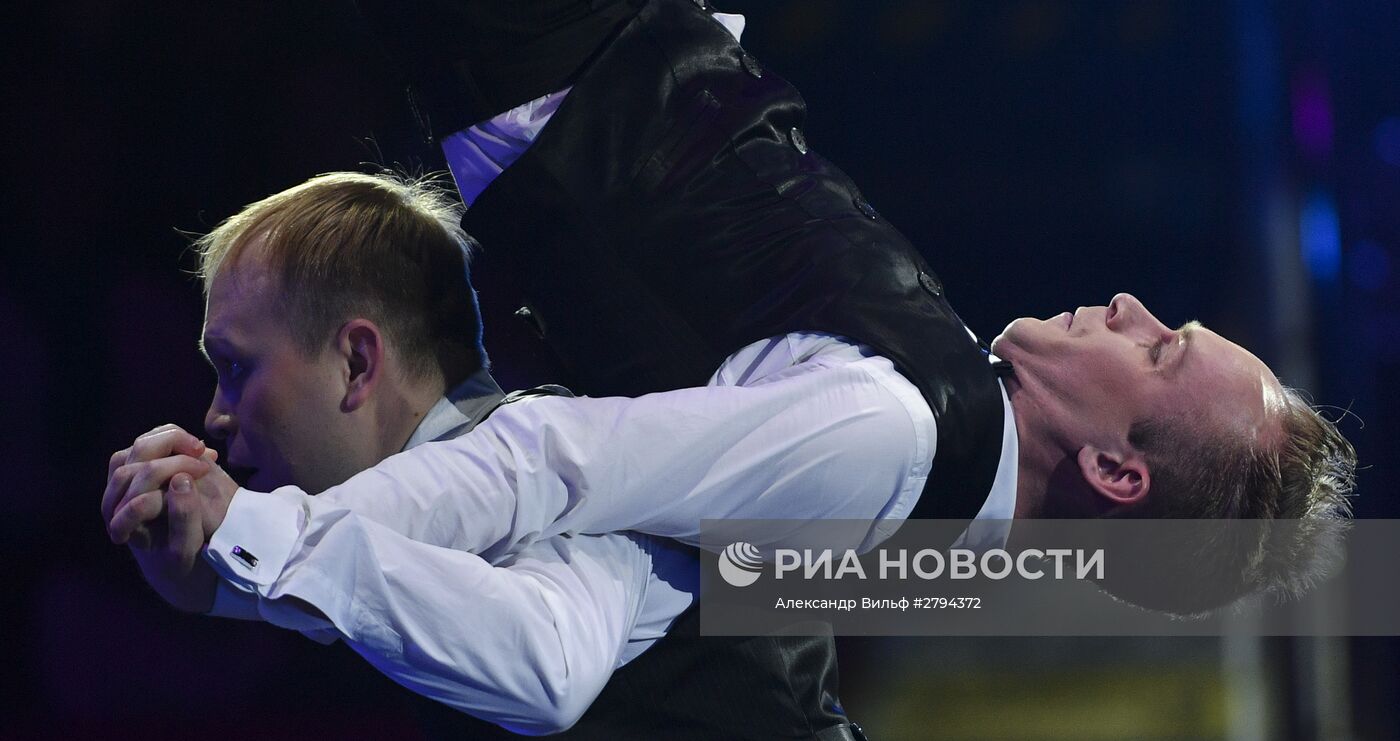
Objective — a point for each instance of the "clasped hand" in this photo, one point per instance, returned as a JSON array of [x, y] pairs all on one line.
[[165, 497]]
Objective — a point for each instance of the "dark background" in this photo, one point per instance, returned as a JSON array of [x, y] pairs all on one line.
[[1235, 162]]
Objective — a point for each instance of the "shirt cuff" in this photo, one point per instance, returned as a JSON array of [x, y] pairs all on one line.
[[250, 551], [232, 602], [251, 547]]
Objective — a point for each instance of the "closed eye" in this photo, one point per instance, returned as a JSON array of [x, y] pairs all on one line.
[[231, 371], [1155, 352]]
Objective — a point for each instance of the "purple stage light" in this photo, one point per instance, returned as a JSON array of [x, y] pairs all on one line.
[[1312, 114]]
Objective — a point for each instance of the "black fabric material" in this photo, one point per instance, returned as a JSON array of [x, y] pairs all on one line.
[[691, 688], [467, 60], [670, 214]]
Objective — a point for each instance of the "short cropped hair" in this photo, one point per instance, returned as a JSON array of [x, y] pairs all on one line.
[[1206, 474], [387, 247]]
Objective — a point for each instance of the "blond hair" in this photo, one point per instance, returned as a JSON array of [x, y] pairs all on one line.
[[386, 246], [1294, 491]]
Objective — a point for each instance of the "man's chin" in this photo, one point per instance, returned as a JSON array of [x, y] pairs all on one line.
[[1002, 342], [1019, 333], [997, 343]]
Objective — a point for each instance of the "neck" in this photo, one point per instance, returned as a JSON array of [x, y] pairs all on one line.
[[1039, 456], [402, 411]]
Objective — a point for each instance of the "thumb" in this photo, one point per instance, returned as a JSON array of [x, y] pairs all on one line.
[[186, 531]]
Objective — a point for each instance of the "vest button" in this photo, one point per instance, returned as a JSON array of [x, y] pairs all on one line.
[[750, 64], [864, 207], [527, 315], [798, 139], [930, 284], [699, 4]]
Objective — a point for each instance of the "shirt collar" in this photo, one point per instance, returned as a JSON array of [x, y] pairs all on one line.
[[992, 525], [1001, 502], [463, 406]]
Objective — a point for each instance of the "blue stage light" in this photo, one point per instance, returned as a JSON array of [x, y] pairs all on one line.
[[1319, 233]]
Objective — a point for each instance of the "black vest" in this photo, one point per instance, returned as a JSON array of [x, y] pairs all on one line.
[[669, 214]]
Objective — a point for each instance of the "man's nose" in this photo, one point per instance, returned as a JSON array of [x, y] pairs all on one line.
[[1126, 312], [218, 420], [1119, 304]]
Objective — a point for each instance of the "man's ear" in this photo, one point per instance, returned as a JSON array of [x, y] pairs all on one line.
[[1119, 479], [361, 346]]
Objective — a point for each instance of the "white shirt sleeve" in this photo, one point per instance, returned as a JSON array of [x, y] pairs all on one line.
[[830, 436], [527, 643]]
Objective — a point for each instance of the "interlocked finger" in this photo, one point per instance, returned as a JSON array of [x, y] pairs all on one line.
[[134, 479], [163, 441], [184, 519], [160, 442], [136, 512]]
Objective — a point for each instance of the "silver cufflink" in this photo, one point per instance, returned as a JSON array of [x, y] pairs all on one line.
[[245, 557]]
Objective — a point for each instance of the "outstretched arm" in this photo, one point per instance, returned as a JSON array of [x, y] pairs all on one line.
[[828, 437]]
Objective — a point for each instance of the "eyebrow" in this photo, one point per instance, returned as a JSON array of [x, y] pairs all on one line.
[[1188, 332]]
